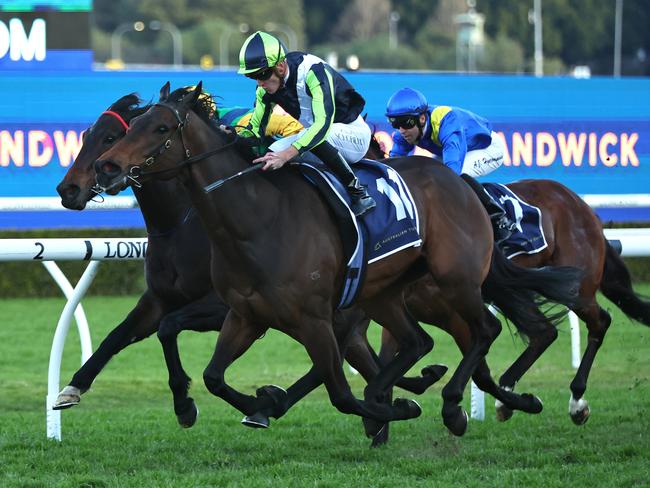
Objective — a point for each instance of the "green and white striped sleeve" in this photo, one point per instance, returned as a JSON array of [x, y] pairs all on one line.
[[321, 86]]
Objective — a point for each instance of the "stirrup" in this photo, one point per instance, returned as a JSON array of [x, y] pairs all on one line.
[[362, 205], [502, 229]]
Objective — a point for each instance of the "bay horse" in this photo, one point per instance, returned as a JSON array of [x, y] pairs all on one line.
[[277, 258], [179, 294], [575, 237]]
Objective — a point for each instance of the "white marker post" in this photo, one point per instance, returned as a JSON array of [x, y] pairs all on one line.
[[47, 251]]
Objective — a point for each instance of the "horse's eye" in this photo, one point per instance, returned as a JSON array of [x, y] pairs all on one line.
[[109, 140], [162, 129]]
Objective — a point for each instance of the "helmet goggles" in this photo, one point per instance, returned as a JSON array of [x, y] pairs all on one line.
[[261, 75], [403, 121]]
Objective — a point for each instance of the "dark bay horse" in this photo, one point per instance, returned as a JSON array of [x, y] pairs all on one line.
[[179, 293], [277, 258], [575, 237]]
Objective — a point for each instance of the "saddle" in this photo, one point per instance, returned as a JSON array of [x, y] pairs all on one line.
[[392, 226], [528, 237]]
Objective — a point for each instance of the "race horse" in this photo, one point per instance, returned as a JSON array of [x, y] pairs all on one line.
[[575, 237], [179, 294], [277, 258]]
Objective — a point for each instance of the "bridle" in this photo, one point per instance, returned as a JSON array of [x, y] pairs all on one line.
[[149, 160], [136, 173]]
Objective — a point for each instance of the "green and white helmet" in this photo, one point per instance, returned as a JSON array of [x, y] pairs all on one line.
[[261, 50]]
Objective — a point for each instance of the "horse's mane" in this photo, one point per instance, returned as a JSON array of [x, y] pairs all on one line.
[[126, 104], [206, 109], [205, 106]]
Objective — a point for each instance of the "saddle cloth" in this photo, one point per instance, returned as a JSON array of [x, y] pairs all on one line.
[[391, 226], [528, 238]]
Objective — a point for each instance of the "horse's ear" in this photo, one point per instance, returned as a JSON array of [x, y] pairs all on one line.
[[164, 92], [191, 98]]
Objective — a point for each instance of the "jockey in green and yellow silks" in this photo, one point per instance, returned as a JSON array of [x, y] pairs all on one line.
[[320, 98]]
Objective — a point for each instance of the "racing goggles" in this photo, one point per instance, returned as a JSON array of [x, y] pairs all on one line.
[[261, 75], [403, 122]]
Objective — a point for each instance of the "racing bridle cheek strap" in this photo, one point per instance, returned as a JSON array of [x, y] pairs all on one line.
[[167, 144]]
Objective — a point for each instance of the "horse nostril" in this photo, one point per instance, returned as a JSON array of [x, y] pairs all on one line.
[[68, 191], [107, 167]]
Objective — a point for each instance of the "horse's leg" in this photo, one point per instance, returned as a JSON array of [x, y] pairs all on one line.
[[413, 343], [206, 314], [505, 397], [415, 384], [597, 321], [236, 336], [139, 324], [350, 328], [536, 347], [320, 343], [483, 330], [361, 356]]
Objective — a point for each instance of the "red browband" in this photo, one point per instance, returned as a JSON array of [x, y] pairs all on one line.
[[118, 117]]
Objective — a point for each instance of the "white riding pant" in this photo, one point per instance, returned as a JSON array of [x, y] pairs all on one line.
[[480, 162], [352, 140]]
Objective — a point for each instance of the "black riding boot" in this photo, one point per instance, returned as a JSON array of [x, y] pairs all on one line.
[[503, 227], [361, 201]]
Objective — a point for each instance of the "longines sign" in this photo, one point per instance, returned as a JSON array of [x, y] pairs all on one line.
[[50, 40], [18, 44]]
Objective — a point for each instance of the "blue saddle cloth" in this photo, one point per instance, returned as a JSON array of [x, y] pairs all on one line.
[[529, 236], [391, 226]]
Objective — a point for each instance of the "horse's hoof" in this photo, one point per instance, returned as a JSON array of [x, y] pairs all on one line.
[[277, 393], [381, 438], [435, 371], [456, 422], [533, 403], [272, 398], [69, 397], [579, 411], [503, 413], [410, 408], [372, 427], [580, 418], [188, 418], [256, 421]]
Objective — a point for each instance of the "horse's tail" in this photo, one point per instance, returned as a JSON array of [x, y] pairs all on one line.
[[517, 291], [617, 286]]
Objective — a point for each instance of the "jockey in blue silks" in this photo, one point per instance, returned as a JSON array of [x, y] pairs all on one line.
[[464, 141]]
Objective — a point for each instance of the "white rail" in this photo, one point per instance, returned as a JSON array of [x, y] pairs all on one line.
[[633, 243], [630, 200], [47, 251], [33, 204]]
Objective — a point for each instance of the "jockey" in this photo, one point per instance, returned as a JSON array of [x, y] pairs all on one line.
[[320, 98], [464, 140]]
